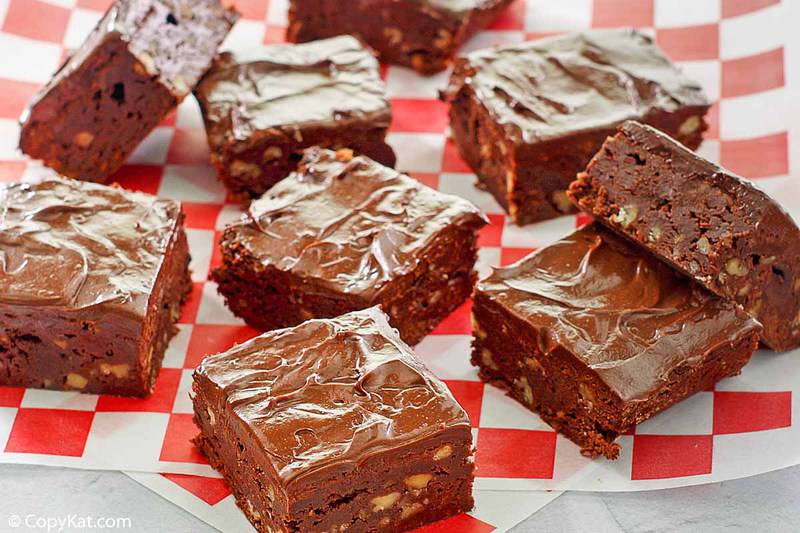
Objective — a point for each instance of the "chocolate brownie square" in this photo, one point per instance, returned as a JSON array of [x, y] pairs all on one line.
[[712, 225], [263, 107], [140, 61], [91, 284], [346, 233], [422, 34], [528, 117], [597, 335], [334, 425]]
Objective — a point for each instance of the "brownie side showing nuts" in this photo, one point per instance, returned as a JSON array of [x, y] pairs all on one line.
[[422, 34], [345, 233], [92, 284], [380, 444], [140, 61], [528, 117], [597, 336], [712, 225], [262, 107]]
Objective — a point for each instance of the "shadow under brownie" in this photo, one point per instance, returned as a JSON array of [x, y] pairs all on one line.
[[528, 117], [263, 106], [712, 225], [345, 233], [597, 336], [334, 425], [91, 284]]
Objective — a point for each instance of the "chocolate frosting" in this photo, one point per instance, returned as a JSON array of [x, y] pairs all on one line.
[[544, 89], [349, 224], [332, 393], [174, 40], [624, 314], [284, 86], [74, 245]]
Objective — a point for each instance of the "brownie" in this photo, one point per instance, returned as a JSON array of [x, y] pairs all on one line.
[[528, 117], [91, 284], [597, 335], [263, 106], [344, 233], [422, 34], [708, 223], [140, 61], [334, 425]]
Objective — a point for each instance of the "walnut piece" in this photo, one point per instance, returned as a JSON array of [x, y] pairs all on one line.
[[381, 503], [418, 481], [83, 139], [271, 153], [443, 39], [735, 267], [411, 509], [119, 370], [344, 155], [76, 381], [443, 452], [244, 169], [525, 387], [690, 125], [561, 201], [394, 36], [626, 215], [486, 357]]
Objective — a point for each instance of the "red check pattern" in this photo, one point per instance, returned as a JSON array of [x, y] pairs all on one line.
[[739, 50]]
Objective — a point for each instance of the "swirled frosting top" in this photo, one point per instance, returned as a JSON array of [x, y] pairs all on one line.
[[331, 393], [284, 85], [74, 244], [350, 224], [623, 313], [543, 89]]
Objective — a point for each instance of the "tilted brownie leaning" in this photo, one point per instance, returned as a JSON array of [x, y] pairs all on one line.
[[422, 34], [334, 425], [528, 117], [345, 233], [262, 107], [140, 61], [597, 336], [712, 225], [91, 284]]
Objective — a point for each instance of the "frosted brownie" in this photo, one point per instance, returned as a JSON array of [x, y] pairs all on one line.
[[334, 425], [597, 336], [528, 117]]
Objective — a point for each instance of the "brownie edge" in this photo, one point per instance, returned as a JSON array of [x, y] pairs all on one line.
[[714, 226]]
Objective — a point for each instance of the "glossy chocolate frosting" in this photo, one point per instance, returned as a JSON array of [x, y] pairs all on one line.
[[627, 316], [350, 224], [287, 85], [541, 90], [74, 245], [331, 393]]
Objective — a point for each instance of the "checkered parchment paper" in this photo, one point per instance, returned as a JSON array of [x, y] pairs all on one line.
[[746, 53]]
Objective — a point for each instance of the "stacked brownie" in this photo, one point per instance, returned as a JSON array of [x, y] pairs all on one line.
[[528, 117], [704, 221], [264, 106], [140, 61], [346, 233]]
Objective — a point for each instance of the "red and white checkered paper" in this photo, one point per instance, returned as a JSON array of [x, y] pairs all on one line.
[[746, 53]]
